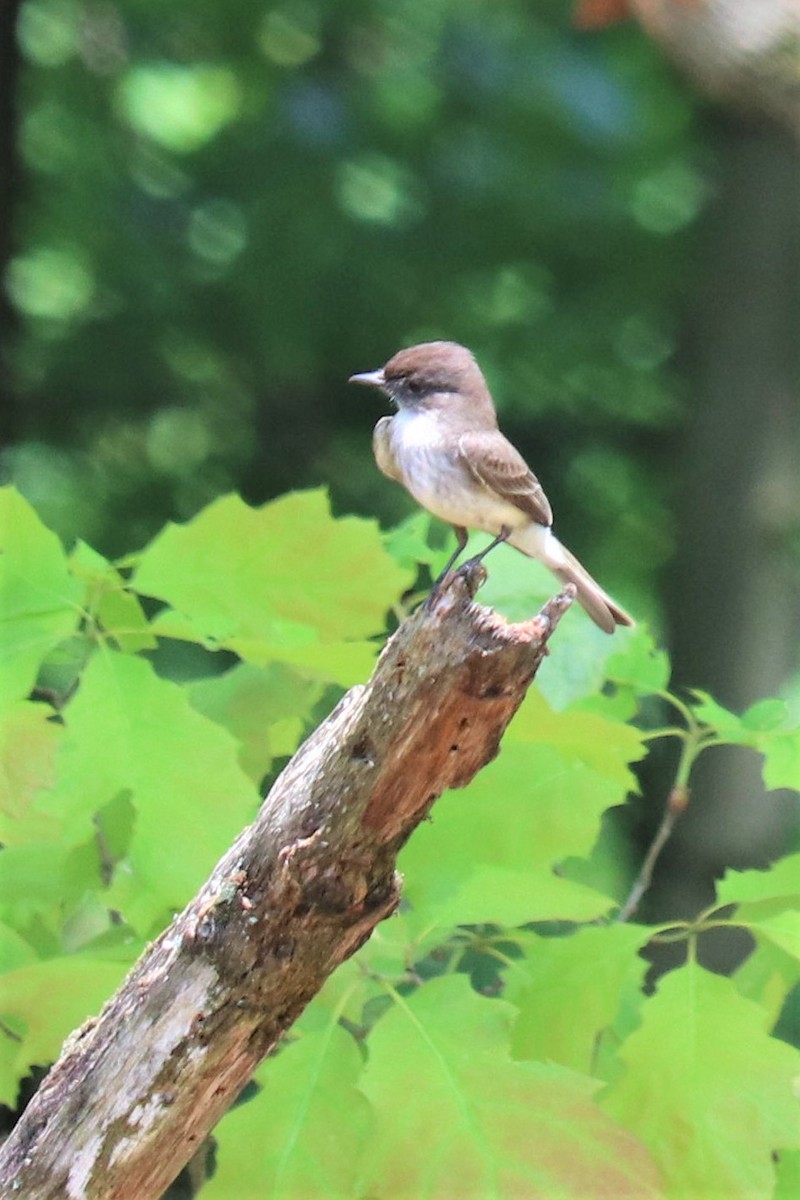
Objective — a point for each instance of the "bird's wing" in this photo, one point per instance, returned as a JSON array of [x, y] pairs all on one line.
[[499, 467], [383, 451]]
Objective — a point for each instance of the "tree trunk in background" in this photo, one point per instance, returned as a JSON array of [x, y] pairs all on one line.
[[9, 60], [734, 591], [744, 53]]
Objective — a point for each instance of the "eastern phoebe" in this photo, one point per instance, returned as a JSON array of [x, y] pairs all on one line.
[[444, 446]]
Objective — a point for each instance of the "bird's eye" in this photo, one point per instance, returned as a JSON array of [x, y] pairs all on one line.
[[413, 386]]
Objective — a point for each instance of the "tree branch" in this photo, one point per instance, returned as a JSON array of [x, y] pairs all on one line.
[[136, 1090]]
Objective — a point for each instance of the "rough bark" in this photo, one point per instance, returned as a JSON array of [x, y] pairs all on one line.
[[136, 1090]]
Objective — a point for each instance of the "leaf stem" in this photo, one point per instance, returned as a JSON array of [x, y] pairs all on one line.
[[694, 739]]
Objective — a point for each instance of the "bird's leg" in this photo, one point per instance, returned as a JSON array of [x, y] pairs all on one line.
[[462, 538], [472, 571], [471, 563]]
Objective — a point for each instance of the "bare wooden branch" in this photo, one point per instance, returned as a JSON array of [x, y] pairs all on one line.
[[136, 1091]]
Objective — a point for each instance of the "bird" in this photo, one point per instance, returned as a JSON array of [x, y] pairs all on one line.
[[444, 446]]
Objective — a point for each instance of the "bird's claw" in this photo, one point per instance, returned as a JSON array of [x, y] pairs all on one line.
[[474, 574]]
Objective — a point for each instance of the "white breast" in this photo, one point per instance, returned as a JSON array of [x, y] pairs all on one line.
[[438, 480]]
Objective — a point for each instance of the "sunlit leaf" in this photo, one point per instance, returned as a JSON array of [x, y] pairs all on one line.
[[491, 851], [302, 1134], [787, 1176], [303, 579], [767, 976], [39, 600], [782, 879], [45, 877], [573, 989], [44, 1002], [726, 723], [607, 746], [264, 709], [110, 601], [707, 1089], [481, 1125], [766, 716], [639, 664], [776, 921], [29, 740], [127, 731]]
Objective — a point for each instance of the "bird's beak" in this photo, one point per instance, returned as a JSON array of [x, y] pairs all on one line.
[[370, 378]]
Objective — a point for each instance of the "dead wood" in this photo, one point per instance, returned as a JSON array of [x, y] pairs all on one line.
[[137, 1090]]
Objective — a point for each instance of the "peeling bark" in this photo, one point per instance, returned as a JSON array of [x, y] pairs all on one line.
[[137, 1089]]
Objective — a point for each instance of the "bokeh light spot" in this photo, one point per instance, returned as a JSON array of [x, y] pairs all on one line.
[[47, 137], [669, 199], [289, 35], [377, 189], [217, 231], [50, 283], [516, 294], [179, 107], [642, 345], [47, 31], [178, 441], [157, 174]]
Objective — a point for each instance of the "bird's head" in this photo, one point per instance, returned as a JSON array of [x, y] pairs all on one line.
[[431, 375]]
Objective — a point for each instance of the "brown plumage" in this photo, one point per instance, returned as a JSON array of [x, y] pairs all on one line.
[[444, 446]]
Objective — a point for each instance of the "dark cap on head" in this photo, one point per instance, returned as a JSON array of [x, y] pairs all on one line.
[[434, 366], [429, 368]]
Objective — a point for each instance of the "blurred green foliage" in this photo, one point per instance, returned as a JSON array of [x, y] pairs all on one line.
[[225, 210], [400, 1078]]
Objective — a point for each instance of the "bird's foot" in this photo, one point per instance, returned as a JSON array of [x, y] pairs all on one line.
[[474, 574], [436, 591]]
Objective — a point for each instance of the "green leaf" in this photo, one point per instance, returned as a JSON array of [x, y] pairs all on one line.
[[767, 976], [302, 1135], [396, 945], [284, 577], [607, 746], [763, 728], [490, 852], [41, 877], [342, 996], [345, 663], [639, 664], [707, 1090], [456, 1117], [264, 709], [720, 719], [110, 601], [773, 921], [781, 880], [781, 759], [127, 731], [766, 716], [518, 587], [39, 600], [408, 542], [15, 951], [29, 741], [787, 1176], [45, 1001], [573, 991]]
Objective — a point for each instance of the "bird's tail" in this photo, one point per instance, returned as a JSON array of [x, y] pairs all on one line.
[[604, 611], [540, 542]]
